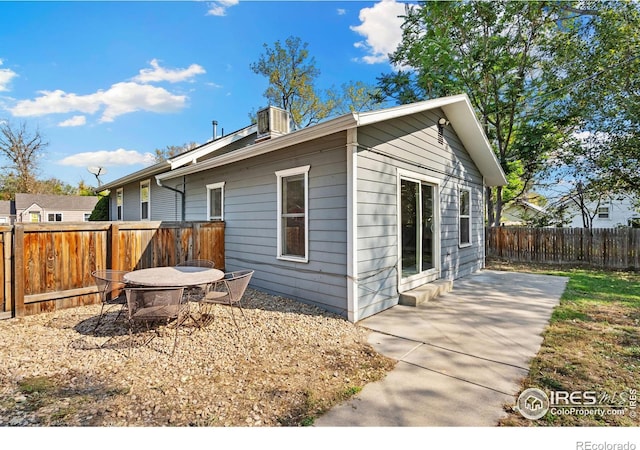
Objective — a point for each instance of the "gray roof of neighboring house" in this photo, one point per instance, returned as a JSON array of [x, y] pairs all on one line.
[[56, 202], [5, 208]]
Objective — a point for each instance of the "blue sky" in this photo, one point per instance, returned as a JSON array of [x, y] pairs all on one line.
[[107, 83]]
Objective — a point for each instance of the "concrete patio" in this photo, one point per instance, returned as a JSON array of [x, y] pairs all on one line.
[[461, 357]]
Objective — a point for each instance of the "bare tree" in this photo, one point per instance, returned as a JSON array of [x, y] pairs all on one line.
[[170, 151], [21, 148]]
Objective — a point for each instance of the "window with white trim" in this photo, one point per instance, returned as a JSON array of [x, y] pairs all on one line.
[[603, 212], [464, 216], [145, 200], [293, 214], [119, 202], [54, 217], [215, 201]]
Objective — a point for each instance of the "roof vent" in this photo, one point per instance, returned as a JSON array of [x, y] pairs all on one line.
[[272, 122]]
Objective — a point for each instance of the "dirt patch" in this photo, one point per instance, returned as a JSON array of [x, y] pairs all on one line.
[[284, 364]]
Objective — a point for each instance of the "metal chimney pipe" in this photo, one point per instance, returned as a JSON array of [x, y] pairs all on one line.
[[215, 129]]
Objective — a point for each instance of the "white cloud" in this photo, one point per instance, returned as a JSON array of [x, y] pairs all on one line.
[[219, 8], [157, 73], [108, 158], [128, 97], [6, 75], [120, 98], [75, 121], [381, 27], [341, 11]]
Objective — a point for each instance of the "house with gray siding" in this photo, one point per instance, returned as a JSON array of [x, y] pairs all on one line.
[[347, 214]]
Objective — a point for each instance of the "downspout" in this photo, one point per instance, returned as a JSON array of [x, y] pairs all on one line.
[[352, 225], [182, 196]]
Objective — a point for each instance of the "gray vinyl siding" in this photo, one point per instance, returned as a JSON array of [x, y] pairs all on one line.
[[164, 204], [130, 202], [250, 215], [410, 143]]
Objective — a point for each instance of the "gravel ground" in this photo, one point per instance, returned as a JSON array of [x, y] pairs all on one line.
[[283, 365]]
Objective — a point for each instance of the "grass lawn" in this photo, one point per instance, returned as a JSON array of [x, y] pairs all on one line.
[[591, 346]]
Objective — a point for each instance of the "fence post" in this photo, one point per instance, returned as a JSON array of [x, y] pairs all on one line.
[[8, 269], [18, 285], [195, 240], [113, 243]]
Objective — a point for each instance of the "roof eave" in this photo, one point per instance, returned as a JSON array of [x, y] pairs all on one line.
[[306, 134], [136, 176], [205, 149]]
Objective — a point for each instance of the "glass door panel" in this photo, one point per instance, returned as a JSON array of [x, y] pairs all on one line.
[[427, 227], [409, 195], [417, 227]]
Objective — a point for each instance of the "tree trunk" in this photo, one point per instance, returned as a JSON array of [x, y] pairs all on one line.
[[490, 215], [498, 206]]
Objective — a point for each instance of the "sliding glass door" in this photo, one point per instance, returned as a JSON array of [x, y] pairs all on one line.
[[419, 230]]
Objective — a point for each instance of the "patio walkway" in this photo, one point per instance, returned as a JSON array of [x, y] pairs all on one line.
[[461, 356]]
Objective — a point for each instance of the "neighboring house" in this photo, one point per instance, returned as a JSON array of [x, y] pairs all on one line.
[[346, 214], [521, 213], [53, 208], [608, 213], [7, 212]]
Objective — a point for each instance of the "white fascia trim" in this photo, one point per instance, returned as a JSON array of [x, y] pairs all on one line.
[[306, 134], [352, 225], [369, 117], [194, 155], [463, 119]]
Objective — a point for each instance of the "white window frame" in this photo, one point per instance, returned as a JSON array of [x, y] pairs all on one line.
[[146, 183], [604, 212], [210, 189], [426, 276], [465, 216], [55, 214], [120, 204], [86, 217], [281, 175]]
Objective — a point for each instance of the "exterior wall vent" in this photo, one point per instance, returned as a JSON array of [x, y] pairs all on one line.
[[272, 122]]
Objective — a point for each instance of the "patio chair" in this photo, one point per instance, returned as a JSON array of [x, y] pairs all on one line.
[[228, 291], [108, 280], [196, 292], [150, 305]]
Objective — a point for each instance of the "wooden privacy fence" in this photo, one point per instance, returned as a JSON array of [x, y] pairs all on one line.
[[48, 266], [608, 248]]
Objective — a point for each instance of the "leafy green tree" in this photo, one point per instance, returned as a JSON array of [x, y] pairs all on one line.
[[497, 52], [292, 75], [101, 210], [598, 60], [357, 96]]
